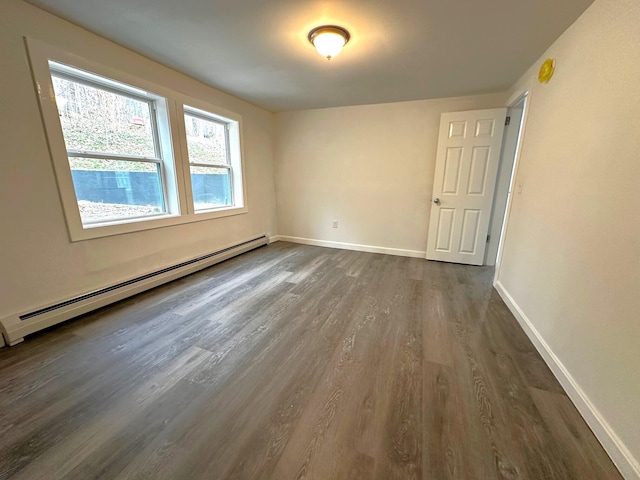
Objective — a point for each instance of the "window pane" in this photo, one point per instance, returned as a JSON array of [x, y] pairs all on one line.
[[96, 120], [116, 189], [211, 187], [206, 141]]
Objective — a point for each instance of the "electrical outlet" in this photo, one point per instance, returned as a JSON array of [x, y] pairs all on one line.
[[335, 224]]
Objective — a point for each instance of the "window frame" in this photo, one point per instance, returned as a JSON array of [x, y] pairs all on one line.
[[235, 153], [232, 151], [75, 75], [171, 137]]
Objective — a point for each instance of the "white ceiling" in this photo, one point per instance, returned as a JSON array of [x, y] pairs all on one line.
[[399, 50]]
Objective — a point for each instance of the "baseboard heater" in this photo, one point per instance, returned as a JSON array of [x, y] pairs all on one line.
[[15, 327]]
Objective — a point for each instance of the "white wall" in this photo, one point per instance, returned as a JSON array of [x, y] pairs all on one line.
[[38, 263], [369, 167], [571, 258]]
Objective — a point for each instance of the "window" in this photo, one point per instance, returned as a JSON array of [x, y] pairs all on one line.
[[209, 160], [131, 155], [112, 145]]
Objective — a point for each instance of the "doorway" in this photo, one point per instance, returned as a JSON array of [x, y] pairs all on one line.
[[467, 161], [504, 182]]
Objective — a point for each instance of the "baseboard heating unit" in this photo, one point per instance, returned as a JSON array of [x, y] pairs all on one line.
[[15, 327]]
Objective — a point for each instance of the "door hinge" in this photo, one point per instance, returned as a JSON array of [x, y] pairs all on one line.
[[507, 121], [488, 238]]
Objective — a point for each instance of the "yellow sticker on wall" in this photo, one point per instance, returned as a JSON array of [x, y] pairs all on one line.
[[546, 70]]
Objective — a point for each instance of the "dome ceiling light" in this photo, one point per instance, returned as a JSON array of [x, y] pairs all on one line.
[[328, 40]]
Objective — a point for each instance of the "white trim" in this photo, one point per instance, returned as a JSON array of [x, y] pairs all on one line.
[[275, 238], [517, 95], [354, 246], [526, 107], [14, 329], [613, 445]]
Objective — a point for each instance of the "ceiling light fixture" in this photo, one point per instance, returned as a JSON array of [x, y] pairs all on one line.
[[328, 40]]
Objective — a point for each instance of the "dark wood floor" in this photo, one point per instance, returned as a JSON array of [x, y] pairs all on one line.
[[294, 362]]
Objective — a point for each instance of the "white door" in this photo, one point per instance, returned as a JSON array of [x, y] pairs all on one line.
[[465, 179]]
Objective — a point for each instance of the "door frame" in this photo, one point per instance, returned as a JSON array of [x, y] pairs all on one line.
[[497, 115], [525, 97]]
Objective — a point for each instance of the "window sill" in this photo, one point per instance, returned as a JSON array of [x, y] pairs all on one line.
[[99, 230]]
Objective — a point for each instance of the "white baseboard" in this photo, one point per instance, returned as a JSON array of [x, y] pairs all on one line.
[[352, 246], [14, 327], [275, 238], [614, 446]]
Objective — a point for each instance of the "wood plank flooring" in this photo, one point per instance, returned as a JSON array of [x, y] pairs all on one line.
[[294, 362]]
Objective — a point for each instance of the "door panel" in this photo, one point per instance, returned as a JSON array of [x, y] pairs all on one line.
[[466, 168], [453, 162], [445, 229], [470, 224], [478, 175]]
